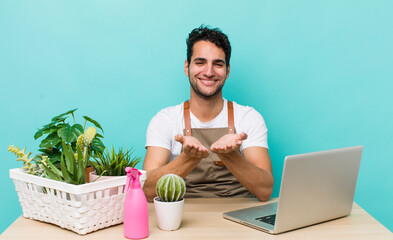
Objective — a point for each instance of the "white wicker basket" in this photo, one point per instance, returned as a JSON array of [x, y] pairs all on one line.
[[81, 208]]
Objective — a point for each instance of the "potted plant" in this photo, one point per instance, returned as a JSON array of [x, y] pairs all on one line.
[[169, 202], [112, 164], [51, 185]]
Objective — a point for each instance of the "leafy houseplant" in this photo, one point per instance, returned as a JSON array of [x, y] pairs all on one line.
[[63, 140], [59, 130], [169, 202], [114, 163]]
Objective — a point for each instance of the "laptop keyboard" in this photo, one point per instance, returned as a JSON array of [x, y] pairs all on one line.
[[270, 219]]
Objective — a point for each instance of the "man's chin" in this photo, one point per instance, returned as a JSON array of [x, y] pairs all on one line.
[[208, 95]]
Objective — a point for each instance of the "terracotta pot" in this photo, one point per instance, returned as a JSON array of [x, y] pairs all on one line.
[[88, 170]]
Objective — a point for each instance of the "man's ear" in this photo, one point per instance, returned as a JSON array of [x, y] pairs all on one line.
[[186, 67]]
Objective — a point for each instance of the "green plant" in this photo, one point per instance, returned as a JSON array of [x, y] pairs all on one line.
[[31, 166], [114, 163], [72, 167], [59, 130], [170, 188]]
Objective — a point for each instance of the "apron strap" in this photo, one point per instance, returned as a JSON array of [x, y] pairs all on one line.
[[187, 119], [231, 125]]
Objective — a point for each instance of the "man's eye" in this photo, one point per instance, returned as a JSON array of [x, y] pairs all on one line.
[[199, 63]]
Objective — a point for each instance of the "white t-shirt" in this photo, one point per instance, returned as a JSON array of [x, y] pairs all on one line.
[[169, 122]]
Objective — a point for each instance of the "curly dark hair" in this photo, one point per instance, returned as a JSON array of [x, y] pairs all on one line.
[[213, 35]]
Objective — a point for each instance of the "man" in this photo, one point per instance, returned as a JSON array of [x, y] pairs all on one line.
[[218, 147]]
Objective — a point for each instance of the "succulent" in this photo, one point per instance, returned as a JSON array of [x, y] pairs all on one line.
[[32, 166], [170, 188], [114, 163]]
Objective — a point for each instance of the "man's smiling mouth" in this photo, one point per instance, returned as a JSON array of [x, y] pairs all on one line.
[[208, 82]]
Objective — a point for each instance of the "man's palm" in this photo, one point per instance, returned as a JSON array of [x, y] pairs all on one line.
[[192, 147], [228, 143]]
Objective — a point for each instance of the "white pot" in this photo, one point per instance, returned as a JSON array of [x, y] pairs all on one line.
[[114, 191], [168, 214]]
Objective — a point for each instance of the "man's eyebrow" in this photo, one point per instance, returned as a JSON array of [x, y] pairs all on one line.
[[204, 59], [219, 61], [200, 59]]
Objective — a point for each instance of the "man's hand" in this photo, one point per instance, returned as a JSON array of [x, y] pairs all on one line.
[[228, 143], [192, 147]]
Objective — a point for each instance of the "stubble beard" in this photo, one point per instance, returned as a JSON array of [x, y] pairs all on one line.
[[202, 94]]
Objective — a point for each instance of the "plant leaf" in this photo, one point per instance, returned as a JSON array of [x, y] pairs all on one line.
[[42, 130], [50, 141], [81, 171], [78, 127], [50, 173], [38, 134], [97, 145], [70, 134], [66, 175], [57, 120], [63, 114], [94, 122], [68, 157], [54, 169], [99, 135]]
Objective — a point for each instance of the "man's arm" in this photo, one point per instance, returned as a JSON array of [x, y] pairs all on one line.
[[254, 170], [157, 163]]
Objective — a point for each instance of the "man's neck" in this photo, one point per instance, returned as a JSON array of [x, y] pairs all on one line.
[[206, 109]]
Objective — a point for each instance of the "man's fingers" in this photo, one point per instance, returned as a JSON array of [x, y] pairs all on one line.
[[193, 151], [243, 136], [179, 138]]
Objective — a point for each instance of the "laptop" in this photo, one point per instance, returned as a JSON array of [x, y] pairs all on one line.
[[315, 187]]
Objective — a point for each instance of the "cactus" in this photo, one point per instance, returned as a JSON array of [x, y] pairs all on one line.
[[88, 136], [84, 140], [79, 141], [170, 188]]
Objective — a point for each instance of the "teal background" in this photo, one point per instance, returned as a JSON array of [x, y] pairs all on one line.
[[320, 72]]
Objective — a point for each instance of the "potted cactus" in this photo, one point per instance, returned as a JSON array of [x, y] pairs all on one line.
[[169, 202]]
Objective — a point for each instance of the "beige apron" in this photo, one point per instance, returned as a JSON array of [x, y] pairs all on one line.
[[210, 178]]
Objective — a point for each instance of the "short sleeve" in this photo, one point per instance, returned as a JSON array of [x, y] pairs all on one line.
[[160, 130], [254, 126]]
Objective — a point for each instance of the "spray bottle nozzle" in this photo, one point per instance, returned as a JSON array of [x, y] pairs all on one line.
[[132, 175]]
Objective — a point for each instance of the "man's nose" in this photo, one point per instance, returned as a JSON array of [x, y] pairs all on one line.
[[209, 70]]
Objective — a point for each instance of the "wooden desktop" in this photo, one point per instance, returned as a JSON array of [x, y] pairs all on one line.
[[202, 219]]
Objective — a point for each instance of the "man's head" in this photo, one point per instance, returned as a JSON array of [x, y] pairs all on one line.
[[207, 64], [213, 35]]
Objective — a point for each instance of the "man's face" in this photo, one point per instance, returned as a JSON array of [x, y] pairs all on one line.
[[207, 70]]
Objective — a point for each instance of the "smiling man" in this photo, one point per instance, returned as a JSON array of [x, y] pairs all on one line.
[[219, 147]]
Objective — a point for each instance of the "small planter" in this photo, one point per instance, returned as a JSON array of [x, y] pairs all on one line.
[[113, 191], [168, 214], [89, 169], [80, 208]]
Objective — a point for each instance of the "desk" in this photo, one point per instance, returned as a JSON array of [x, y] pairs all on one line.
[[202, 219]]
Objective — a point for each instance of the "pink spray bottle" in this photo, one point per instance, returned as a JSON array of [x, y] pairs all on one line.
[[136, 213]]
